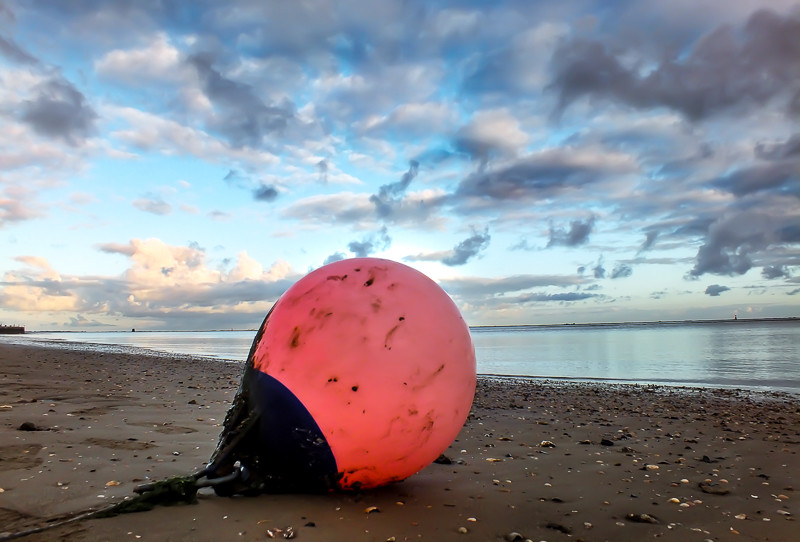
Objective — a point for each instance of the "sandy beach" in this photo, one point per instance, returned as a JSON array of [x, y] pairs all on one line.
[[537, 460]]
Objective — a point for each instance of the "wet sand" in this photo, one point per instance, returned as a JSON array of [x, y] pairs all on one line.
[[538, 460]]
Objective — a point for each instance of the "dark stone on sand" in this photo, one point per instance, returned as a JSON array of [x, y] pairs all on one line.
[[606, 442], [642, 518], [713, 488], [558, 527], [30, 426], [443, 460]]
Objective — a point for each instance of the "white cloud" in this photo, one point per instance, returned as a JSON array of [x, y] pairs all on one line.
[[158, 61], [150, 132]]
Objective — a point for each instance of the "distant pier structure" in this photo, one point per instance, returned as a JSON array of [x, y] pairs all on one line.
[[11, 330]]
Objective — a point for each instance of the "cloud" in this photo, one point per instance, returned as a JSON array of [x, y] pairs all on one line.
[[729, 67], [565, 296], [411, 120], [458, 255], [265, 192], [468, 249], [779, 177], [481, 287], [241, 115], [649, 240], [371, 244], [715, 289], [779, 151], [740, 235], [489, 134], [153, 133], [335, 257], [547, 173], [621, 270], [578, 233], [158, 61], [17, 205], [774, 272], [60, 111], [461, 253], [598, 271], [171, 287], [15, 53], [339, 208], [156, 206], [390, 195]]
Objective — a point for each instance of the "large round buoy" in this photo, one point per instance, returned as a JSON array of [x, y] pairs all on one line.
[[362, 374]]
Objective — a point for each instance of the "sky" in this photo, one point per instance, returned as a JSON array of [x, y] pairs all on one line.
[[178, 165]]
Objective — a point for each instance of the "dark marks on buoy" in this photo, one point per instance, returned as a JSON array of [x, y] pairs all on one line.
[[333, 379], [354, 388], [369, 281], [386, 344], [402, 318], [439, 370], [337, 277], [295, 342]]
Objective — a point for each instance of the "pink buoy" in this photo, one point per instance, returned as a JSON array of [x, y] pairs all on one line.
[[362, 374]]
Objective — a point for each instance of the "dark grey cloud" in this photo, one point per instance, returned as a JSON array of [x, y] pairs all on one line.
[[598, 271], [265, 192], [335, 257], [781, 177], [774, 271], [482, 287], [522, 180], [565, 296], [621, 270], [778, 151], [546, 174], [468, 249], [737, 237], [234, 177], [458, 255], [715, 289], [241, 116], [371, 244], [577, 234], [15, 53], [390, 195], [322, 168], [649, 240], [727, 68], [59, 110]]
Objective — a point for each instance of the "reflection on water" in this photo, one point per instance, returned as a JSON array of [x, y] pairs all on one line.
[[750, 354]]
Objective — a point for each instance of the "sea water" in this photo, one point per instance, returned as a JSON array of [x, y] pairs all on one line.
[[755, 354]]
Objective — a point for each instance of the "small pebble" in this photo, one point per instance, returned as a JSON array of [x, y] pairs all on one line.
[[462, 530]]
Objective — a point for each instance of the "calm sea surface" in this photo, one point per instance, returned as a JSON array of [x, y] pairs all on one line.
[[747, 354]]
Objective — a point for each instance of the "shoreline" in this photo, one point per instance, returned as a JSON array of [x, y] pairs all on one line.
[[628, 461], [121, 349]]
